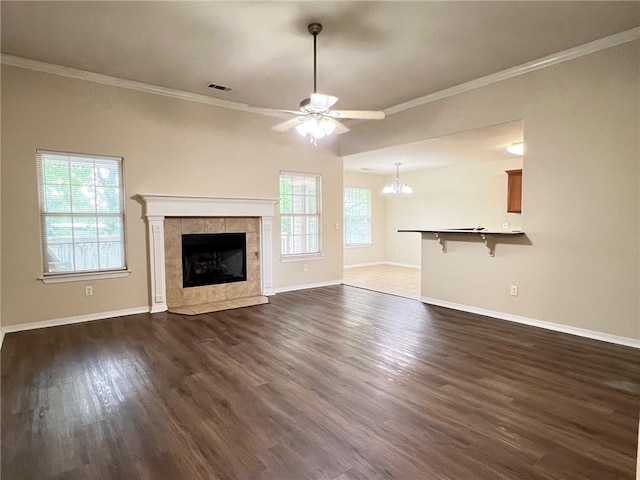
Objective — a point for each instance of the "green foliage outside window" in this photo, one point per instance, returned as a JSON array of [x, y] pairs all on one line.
[[299, 213], [82, 211], [357, 216]]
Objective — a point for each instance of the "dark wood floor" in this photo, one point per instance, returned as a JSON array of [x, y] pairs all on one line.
[[331, 383]]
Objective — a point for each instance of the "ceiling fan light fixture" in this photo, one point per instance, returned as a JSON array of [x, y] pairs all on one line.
[[397, 187], [302, 129], [316, 128], [327, 125], [318, 133]]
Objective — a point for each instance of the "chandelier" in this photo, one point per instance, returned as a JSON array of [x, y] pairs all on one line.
[[397, 187]]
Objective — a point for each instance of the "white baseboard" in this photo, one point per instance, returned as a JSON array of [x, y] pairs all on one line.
[[358, 265], [405, 265], [372, 264], [558, 327], [69, 320], [308, 285]]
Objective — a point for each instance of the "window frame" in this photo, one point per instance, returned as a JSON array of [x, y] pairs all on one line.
[[368, 218], [291, 257], [79, 275]]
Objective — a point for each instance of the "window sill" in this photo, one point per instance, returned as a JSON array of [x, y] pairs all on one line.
[[359, 245], [301, 257], [81, 277]]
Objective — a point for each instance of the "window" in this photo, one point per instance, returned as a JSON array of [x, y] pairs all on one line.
[[299, 213], [81, 213], [357, 216]]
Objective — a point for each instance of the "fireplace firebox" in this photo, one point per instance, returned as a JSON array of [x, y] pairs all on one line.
[[213, 258]]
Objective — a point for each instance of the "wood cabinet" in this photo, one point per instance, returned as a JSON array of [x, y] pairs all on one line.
[[514, 191]]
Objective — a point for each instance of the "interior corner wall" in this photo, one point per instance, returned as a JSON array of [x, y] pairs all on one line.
[[373, 253], [581, 206], [169, 146]]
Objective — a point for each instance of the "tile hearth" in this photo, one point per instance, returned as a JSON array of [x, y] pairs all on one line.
[[220, 306]]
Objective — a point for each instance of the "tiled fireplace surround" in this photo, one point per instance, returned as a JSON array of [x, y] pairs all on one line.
[[175, 227], [169, 216]]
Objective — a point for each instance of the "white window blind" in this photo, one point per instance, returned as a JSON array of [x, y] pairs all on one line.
[[357, 216], [299, 213], [81, 213]]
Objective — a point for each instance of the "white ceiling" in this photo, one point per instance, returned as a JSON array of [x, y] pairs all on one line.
[[373, 55], [474, 146]]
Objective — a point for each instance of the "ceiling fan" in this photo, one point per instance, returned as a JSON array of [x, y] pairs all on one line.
[[316, 119]]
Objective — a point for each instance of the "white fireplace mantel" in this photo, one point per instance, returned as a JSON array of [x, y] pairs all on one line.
[[157, 207]]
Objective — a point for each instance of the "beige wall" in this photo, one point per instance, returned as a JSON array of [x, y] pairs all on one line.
[[580, 199], [169, 146], [455, 197], [375, 252]]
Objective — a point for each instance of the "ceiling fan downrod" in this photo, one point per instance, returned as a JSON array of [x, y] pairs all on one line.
[[314, 29]]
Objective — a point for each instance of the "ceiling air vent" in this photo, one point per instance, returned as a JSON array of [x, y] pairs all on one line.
[[219, 87]]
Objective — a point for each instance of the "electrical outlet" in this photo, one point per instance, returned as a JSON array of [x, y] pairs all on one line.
[[505, 225], [514, 290], [337, 226], [305, 267], [88, 291]]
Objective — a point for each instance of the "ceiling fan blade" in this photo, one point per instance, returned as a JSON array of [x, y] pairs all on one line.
[[321, 101], [293, 112], [288, 124], [361, 114], [277, 112]]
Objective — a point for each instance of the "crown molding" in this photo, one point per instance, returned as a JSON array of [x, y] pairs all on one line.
[[554, 59], [53, 69]]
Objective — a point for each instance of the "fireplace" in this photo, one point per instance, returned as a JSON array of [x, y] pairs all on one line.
[[170, 216], [213, 258]]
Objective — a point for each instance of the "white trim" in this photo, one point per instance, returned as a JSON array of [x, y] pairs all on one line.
[[308, 285], [557, 327], [357, 265], [53, 69], [266, 248], [554, 59], [192, 206], [405, 265], [80, 277], [69, 320], [1, 337], [301, 257]]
